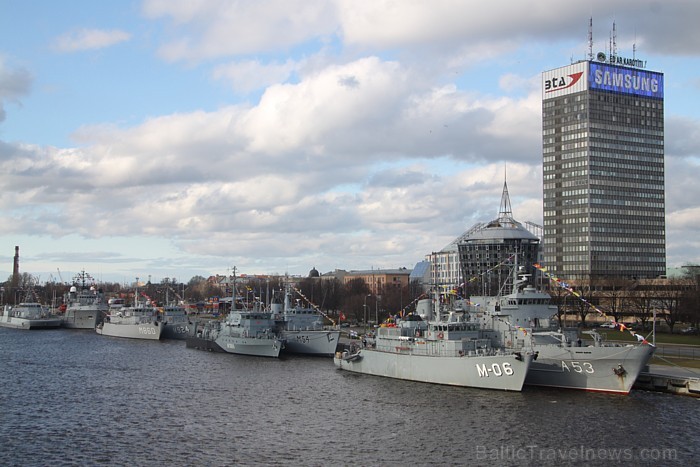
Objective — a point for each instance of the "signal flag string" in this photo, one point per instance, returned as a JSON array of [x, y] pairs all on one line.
[[560, 283], [313, 304]]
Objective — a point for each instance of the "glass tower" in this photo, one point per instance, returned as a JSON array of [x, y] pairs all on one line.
[[603, 171]]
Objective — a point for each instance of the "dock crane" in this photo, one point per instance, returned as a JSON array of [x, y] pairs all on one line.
[[60, 276]]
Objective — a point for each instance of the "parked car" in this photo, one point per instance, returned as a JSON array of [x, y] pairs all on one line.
[[607, 325], [690, 330]]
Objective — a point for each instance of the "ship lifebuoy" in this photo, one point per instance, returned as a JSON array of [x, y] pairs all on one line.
[[417, 332], [440, 335], [508, 344]]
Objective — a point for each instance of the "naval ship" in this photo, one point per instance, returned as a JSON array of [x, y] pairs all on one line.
[[134, 322], [524, 319], [85, 306], [245, 331], [176, 322], [449, 350], [302, 327], [28, 314], [248, 329]]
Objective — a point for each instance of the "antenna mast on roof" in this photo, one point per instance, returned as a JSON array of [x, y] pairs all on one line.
[[590, 38], [505, 211], [614, 41]]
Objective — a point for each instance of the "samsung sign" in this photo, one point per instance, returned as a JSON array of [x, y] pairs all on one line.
[[625, 80]]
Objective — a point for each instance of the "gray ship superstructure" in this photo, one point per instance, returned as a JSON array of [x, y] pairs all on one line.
[[28, 315], [85, 304], [451, 351], [134, 322], [523, 318], [302, 328]]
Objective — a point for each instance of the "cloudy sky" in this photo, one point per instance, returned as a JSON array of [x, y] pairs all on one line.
[[173, 138]]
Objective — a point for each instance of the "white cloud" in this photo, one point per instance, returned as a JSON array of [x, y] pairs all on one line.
[[218, 28], [382, 132], [14, 84], [89, 39], [261, 177], [415, 23], [250, 75], [204, 30]]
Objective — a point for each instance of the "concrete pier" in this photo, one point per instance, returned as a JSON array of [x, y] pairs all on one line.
[[670, 379]]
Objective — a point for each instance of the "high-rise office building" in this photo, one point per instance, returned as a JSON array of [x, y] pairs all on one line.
[[603, 168]]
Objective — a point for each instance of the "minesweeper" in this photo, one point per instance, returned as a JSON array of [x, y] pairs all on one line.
[[28, 315], [448, 351], [176, 322], [302, 327], [245, 331], [134, 322], [523, 320], [248, 329], [85, 305]]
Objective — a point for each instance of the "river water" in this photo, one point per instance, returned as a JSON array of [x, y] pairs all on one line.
[[72, 397]]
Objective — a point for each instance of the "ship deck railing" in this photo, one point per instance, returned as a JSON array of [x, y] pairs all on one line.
[[421, 351]]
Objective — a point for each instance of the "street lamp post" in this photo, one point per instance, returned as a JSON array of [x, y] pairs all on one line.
[[376, 310], [365, 310]]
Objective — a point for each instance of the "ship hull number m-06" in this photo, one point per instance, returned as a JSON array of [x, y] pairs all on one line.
[[495, 369]]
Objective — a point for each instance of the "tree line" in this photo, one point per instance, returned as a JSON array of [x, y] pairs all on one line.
[[672, 301]]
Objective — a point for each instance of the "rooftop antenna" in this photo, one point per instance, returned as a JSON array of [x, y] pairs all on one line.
[[614, 40], [590, 38], [505, 211]]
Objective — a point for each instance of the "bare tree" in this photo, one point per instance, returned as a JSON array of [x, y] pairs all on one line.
[[691, 298], [356, 292], [643, 303], [614, 296], [560, 298], [670, 298]]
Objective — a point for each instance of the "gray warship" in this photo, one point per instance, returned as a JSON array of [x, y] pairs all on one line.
[[248, 329], [28, 314], [176, 322], [449, 350], [523, 320], [133, 322], [244, 331], [302, 327], [85, 305]]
